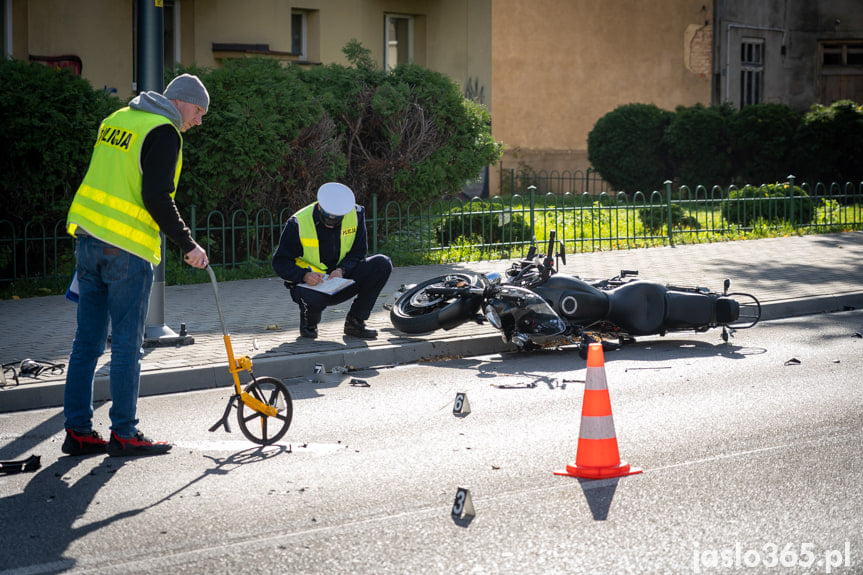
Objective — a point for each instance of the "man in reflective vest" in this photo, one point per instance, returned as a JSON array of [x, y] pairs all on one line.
[[327, 239], [125, 200]]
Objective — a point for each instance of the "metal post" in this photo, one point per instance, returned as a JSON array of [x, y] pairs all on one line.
[[150, 77], [374, 225], [670, 226], [794, 212]]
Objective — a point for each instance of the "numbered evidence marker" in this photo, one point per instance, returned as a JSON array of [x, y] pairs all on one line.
[[463, 504], [461, 406]]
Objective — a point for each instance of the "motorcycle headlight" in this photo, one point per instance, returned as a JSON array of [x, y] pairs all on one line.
[[493, 318]]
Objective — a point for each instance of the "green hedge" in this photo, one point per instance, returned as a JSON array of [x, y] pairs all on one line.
[[828, 146], [717, 145], [698, 145], [772, 203], [50, 118], [273, 134], [625, 147], [762, 138]]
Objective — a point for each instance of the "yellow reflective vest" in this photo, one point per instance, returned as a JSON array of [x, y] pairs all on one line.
[[309, 238], [108, 204]]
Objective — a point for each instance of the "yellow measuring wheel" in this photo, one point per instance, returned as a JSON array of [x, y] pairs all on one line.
[[264, 408]]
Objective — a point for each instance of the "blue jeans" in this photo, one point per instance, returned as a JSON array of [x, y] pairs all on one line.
[[113, 284]]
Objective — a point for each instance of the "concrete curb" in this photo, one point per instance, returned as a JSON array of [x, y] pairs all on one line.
[[164, 381], [813, 305], [211, 376]]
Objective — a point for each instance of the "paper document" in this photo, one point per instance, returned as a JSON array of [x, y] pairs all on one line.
[[72, 291], [330, 285]]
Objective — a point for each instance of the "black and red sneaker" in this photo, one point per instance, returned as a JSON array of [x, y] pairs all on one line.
[[83, 443], [136, 446]]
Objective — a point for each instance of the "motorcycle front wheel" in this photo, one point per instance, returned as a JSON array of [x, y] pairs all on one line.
[[420, 311]]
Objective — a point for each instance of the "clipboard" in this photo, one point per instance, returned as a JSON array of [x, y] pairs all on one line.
[[330, 285]]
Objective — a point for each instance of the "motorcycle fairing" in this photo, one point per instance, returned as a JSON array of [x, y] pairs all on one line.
[[519, 310]]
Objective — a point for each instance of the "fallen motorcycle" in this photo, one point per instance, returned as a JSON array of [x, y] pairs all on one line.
[[534, 306]]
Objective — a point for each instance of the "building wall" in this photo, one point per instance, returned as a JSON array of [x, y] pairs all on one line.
[[557, 67], [97, 31], [546, 69], [792, 31], [450, 36]]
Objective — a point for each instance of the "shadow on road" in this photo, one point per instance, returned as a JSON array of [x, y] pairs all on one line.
[[47, 514]]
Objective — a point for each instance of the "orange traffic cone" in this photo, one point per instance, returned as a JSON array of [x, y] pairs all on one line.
[[597, 456]]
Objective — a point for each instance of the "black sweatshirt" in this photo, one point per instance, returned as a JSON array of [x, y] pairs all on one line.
[[159, 154]]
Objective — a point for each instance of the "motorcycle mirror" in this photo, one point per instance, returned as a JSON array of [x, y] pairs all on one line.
[[727, 285], [562, 253]]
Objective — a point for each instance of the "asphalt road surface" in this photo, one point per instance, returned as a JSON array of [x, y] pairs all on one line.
[[751, 457]]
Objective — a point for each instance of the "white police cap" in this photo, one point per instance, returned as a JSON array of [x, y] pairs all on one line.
[[336, 199]]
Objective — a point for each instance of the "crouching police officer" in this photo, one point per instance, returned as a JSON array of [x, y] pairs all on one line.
[[328, 238]]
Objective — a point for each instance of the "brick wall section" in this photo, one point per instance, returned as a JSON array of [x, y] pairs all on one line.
[[700, 51]]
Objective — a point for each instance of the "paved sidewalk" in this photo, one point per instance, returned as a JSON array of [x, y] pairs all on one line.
[[791, 276]]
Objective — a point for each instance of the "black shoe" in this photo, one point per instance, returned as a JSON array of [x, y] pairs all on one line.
[[308, 329], [136, 446], [357, 328], [83, 443]]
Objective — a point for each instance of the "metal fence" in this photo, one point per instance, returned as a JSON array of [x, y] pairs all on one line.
[[576, 182], [501, 226]]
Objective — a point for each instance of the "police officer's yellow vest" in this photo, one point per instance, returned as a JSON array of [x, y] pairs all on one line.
[[309, 238], [108, 204]]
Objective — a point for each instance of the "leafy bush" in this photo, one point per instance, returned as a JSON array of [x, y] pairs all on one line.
[[408, 134], [625, 147], [828, 145], [698, 145], [50, 119], [772, 203], [654, 217], [264, 143], [271, 137], [762, 137], [489, 227]]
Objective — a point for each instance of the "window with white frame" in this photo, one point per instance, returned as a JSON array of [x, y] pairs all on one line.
[[751, 71], [398, 41], [299, 34], [171, 32]]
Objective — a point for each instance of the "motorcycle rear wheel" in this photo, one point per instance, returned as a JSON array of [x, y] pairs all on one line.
[[418, 311]]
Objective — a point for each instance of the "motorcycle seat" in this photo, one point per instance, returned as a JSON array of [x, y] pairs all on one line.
[[638, 307], [686, 309]]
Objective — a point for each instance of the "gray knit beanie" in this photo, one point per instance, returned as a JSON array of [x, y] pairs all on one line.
[[188, 88]]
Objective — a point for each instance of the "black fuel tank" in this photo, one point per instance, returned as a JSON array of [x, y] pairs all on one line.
[[574, 299]]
